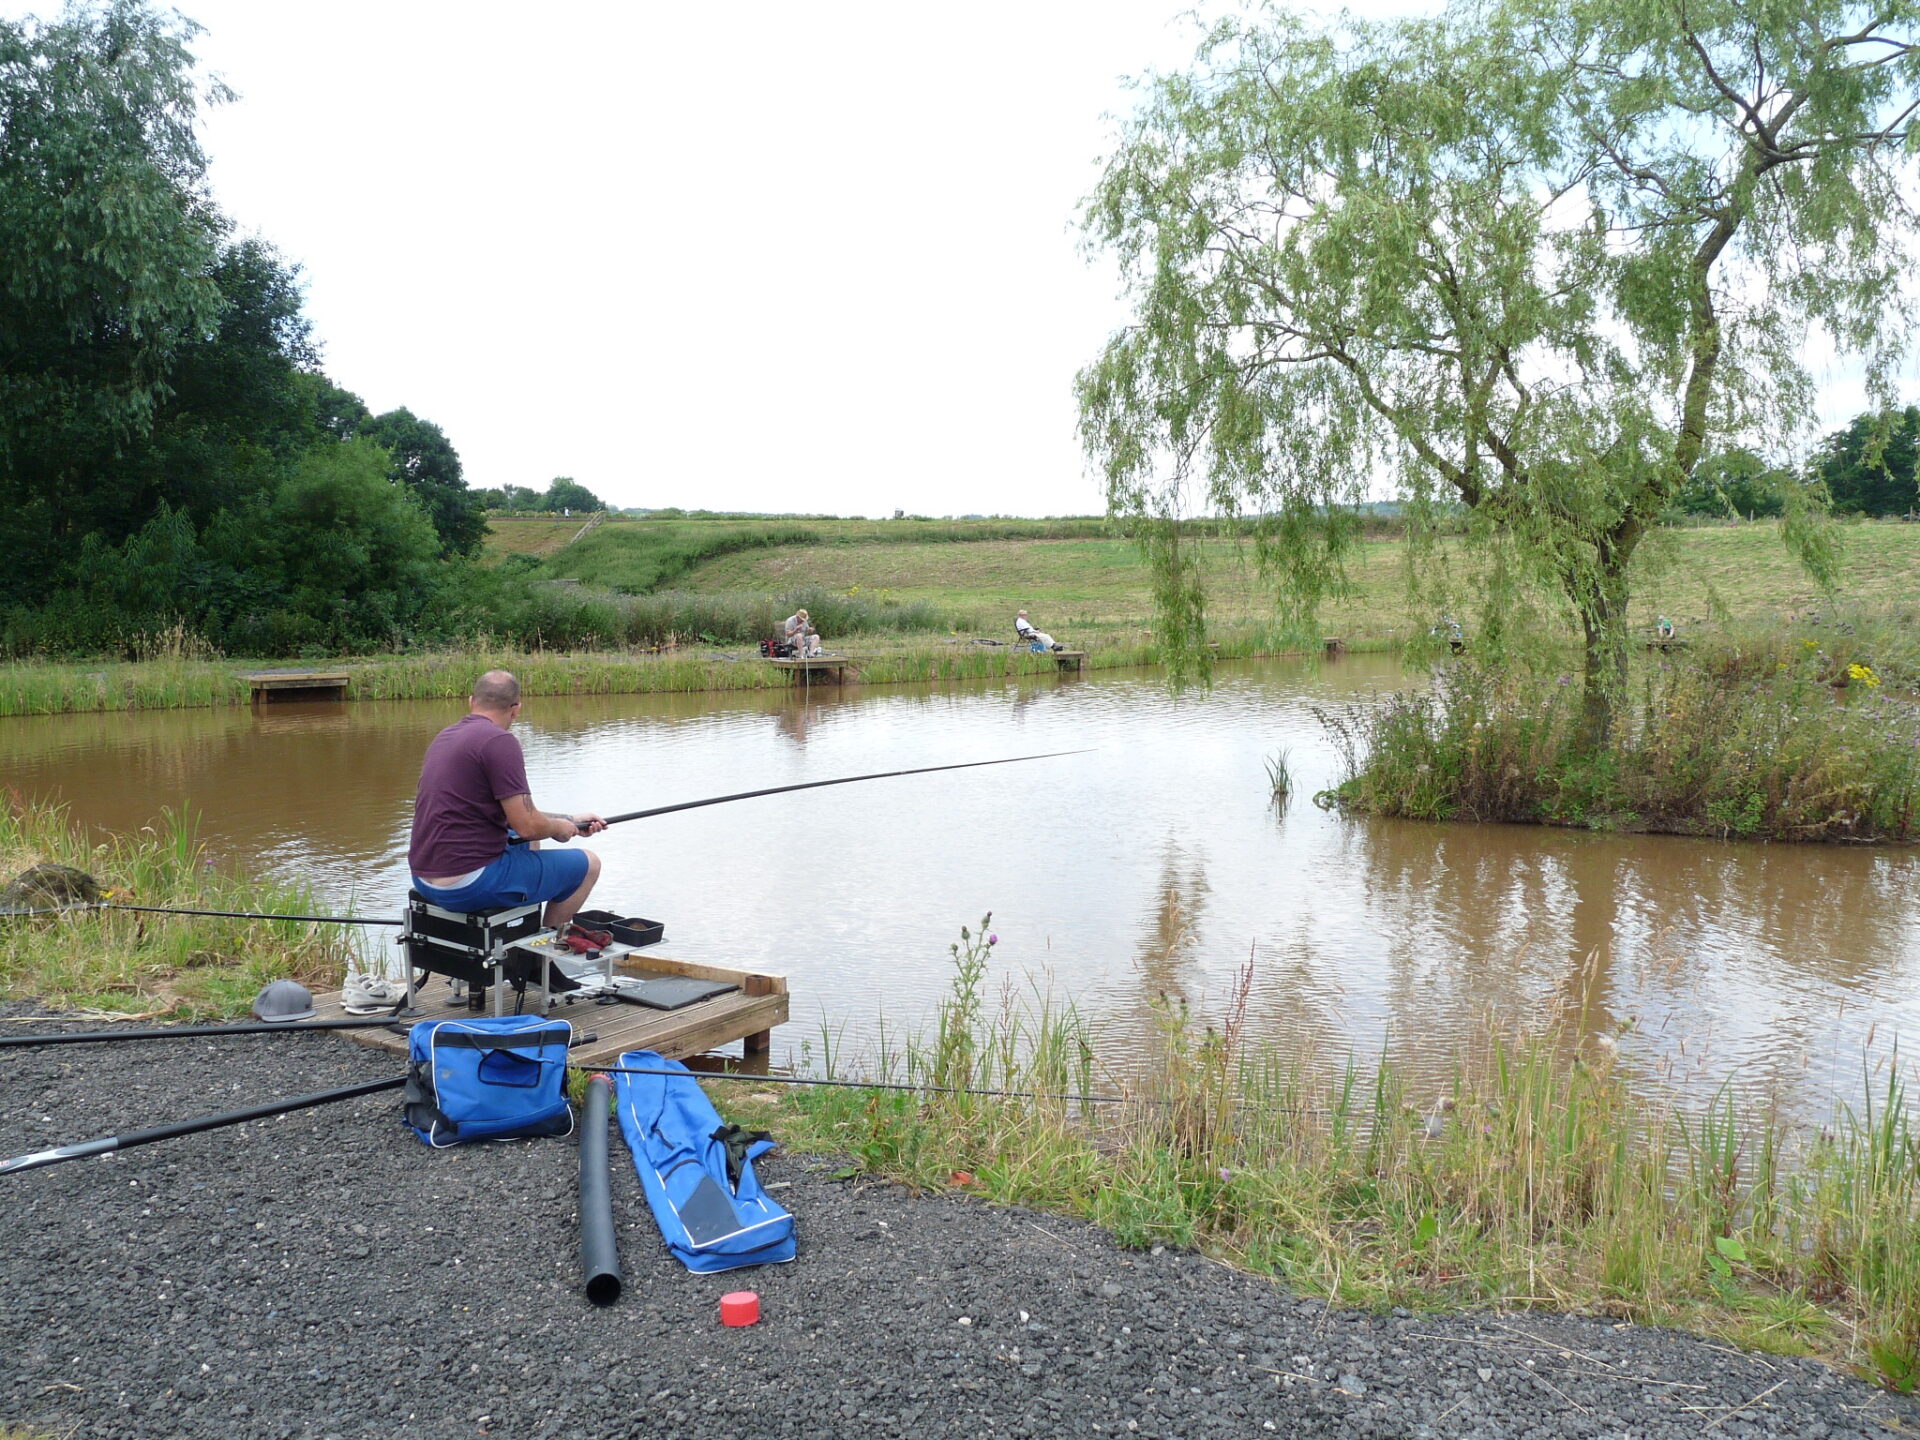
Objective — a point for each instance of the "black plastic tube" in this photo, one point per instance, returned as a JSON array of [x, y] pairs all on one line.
[[599, 1254], [85, 1148], [189, 1032]]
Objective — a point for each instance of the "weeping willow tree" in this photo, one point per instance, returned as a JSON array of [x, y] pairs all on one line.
[[1525, 259]]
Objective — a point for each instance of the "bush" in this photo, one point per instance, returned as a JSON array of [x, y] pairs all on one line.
[[1784, 744]]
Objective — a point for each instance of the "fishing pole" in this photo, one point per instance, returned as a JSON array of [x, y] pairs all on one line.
[[817, 784], [521, 840], [109, 1143], [869, 1085], [189, 1032], [106, 1144]]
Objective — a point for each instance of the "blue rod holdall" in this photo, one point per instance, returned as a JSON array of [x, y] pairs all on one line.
[[710, 1219]]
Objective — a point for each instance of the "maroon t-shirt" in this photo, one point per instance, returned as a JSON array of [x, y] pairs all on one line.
[[458, 822]]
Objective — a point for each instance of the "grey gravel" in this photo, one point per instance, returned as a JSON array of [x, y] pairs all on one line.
[[324, 1274]]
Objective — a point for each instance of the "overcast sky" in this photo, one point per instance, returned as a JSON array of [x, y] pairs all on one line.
[[754, 256], [749, 256]]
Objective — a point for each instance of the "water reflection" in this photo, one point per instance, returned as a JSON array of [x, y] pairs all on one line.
[[1158, 865]]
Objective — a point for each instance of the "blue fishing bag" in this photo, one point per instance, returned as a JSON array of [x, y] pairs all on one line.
[[698, 1171], [487, 1079]]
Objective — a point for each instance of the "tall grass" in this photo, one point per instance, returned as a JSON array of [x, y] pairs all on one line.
[[1782, 737], [128, 961], [1529, 1181]]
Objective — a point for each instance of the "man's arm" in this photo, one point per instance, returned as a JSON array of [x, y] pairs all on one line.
[[541, 825]]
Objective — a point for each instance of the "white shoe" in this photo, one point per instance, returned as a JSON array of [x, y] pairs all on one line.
[[370, 994]]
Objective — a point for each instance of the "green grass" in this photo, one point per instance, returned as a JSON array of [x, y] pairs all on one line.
[[1699, 576], [897, 593], [130, 962], [1530, 1180], [1784, 733]]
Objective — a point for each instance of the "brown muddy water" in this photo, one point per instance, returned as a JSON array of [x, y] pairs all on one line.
[[1156, 866]]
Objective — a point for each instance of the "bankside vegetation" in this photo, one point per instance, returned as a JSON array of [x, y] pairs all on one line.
[[1528, 257], [153, 964], [1777, 735], [169, 449], [1528, 1181]]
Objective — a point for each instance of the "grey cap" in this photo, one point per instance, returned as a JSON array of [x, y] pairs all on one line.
[[284, 1000]]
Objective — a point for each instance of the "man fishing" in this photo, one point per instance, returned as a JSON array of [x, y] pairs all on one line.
[[473, 786]]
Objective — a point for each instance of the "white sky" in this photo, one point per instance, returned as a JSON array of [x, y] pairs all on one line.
[[756, 256], [759, 256]]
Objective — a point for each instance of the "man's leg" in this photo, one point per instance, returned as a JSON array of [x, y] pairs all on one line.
[[561, 912]]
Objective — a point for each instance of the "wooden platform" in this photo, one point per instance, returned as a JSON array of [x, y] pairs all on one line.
[[1671, 642], [805, 670], [748, 1014], [297, 684], [1070, 659]]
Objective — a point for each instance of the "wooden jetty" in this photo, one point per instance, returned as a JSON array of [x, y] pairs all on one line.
[[804, 671], [1664, 644], [1335, 645], [1070, 660], [268, 685], [747, 1014]]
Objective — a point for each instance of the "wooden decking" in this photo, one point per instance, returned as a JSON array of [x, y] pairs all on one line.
[[1070, 660], [297, 685], [748, 1014], [804, 671]]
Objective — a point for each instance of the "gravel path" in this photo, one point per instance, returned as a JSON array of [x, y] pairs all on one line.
[[324, 1274]]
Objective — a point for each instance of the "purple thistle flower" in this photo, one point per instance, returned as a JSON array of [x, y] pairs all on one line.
[[993, 939]]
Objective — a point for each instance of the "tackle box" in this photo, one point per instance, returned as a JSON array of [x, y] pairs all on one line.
[[625, 929]]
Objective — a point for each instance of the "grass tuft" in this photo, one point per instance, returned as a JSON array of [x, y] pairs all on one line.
[[1529, 1181], [159, 964]]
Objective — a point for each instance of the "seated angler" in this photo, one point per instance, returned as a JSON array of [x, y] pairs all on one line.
[[473, 787], [1035, 640]]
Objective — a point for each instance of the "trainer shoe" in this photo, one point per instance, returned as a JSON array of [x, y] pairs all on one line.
[[370, 994]]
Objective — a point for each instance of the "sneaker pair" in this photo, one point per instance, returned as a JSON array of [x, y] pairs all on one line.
[[370, 994]]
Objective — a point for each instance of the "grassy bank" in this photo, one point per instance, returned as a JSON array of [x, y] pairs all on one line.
[[1532, 1182], [1783, 734], [55, 688], [164, 964]]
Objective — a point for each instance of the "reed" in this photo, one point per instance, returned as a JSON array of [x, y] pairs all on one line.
[[1787, 735], [160, 964], [41, 687], [1529, 1180]]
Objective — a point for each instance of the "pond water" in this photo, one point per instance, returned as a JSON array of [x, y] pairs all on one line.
[[1155, 865]]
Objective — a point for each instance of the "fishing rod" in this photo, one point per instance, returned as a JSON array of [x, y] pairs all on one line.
[[521, 840], [39, 1159], [189, 1032], [109, 1143], [817, 784], [869, 1085]]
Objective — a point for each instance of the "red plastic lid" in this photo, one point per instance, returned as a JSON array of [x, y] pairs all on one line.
[[742, 1307]]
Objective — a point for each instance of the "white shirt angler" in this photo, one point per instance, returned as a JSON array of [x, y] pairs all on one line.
[[1022, 626]]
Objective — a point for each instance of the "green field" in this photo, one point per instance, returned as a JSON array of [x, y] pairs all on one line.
[[1693, 575], [917, 591]]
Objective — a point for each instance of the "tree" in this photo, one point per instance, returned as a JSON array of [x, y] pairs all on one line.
[[111, 242], [425, 461], [1527, 256], [1734, 482], [337, 557], [565, 493], [1869, 467]]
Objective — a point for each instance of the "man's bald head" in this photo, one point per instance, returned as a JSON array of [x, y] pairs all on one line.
[[495, 692]]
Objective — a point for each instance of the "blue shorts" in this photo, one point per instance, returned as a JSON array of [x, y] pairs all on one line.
[[522, 876]]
